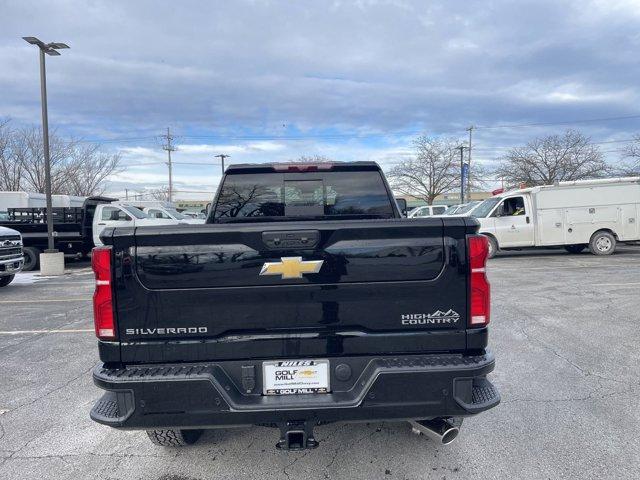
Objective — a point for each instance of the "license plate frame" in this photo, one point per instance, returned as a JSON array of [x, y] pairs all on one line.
[[317, 381]]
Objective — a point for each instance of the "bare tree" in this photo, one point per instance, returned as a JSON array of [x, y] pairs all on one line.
[[434, 169], [88, 168], [551, 159], [630, 166], [76, 169], [30, 153], [10, 166], [161, 194]]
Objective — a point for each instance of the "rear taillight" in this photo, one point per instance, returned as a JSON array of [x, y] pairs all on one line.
[[102, 298], [480, 288]]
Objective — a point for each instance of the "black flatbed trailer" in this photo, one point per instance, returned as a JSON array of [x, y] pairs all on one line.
[[72, 229]]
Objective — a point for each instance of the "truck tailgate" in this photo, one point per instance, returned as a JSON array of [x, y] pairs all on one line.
[[207, 292]]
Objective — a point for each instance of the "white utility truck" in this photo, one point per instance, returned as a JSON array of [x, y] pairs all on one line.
[[574, 215], [122, 215]]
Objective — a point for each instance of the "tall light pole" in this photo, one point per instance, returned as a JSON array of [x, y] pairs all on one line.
[[222, 156], [49, 49]]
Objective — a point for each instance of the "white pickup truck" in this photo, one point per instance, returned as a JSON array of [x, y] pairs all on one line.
[[167, 213], [11, 257], [122, 215], [575, 215]]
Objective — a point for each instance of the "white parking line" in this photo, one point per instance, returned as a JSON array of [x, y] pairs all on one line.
[[40, 300], [614, 284], [22, 332]]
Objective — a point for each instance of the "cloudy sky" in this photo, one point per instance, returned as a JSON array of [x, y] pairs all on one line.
[[352, 80]]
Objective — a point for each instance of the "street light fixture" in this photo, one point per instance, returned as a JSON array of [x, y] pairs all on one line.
[[49, 49], [222, 156]]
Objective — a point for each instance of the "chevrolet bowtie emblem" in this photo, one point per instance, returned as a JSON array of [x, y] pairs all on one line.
[[291, 267]]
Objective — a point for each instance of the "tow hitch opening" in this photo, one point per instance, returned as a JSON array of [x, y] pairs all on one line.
[[296, 436]]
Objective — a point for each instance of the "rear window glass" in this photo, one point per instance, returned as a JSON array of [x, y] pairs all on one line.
[[311, 195]]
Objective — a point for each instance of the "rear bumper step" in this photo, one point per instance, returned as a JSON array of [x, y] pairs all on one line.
[[216, 395]]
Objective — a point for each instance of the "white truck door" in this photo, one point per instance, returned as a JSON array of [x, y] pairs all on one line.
[[550, 223], [108, 216], [513, 222]]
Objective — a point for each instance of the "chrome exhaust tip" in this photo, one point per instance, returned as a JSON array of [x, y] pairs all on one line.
[[438, 430]]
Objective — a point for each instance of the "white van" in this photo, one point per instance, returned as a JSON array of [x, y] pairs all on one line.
[[576, 215], [121, 215]]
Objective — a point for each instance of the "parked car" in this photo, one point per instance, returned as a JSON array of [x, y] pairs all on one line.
[[11, 259], [291, 308], [594, 214], [465, 209], [427, 211], [167, 213]]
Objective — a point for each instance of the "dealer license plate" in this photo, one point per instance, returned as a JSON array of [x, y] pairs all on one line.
[[295, 377]]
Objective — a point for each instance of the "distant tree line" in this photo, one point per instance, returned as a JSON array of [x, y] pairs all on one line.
[[433, 168], [77, 168]]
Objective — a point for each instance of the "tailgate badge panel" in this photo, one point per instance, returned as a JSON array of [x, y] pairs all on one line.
[[291, 267]]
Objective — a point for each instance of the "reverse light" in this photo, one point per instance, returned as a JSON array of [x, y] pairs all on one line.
[[102, 297], [478, 246]]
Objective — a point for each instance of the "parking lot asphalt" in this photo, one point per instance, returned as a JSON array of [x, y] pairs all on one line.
[[564, 331]]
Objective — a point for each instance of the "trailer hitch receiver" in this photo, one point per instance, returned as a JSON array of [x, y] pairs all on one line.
[[296, 435]]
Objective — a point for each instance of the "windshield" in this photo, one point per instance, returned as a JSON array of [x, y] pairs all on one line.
[[325, 194], [176, 214], [467, 208], [485, 207], [136, 212], [452, 209]]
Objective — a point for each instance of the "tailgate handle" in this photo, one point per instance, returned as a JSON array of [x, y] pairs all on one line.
[[291, 239]]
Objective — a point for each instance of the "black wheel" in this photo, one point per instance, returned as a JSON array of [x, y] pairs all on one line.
[[493, 246], [575, 248], [602, 243], [174, 438], [31, 258], [4, 281]]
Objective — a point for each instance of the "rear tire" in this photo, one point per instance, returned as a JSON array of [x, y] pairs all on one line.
[[602, 243], [493, 246], [31, 258], [4, 281], [575, 248], [174, 437]]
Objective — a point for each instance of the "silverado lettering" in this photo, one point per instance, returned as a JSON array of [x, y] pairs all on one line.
[[165, 331], [298, 286]]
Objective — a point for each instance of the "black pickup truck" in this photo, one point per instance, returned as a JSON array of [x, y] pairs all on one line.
[[305, 299]]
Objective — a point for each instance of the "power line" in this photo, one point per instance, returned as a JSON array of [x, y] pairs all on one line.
[[565, 122]]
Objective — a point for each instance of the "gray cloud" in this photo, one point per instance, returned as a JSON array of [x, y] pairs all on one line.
[[250, 67]]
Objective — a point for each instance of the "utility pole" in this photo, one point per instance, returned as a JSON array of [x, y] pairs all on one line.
[[222, 156], [126, 194], [461, 148], [169, 148], [470, 129]]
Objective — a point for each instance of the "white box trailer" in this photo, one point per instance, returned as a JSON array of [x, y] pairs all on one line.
[[67, 201], [576, 215], [21, 200]]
